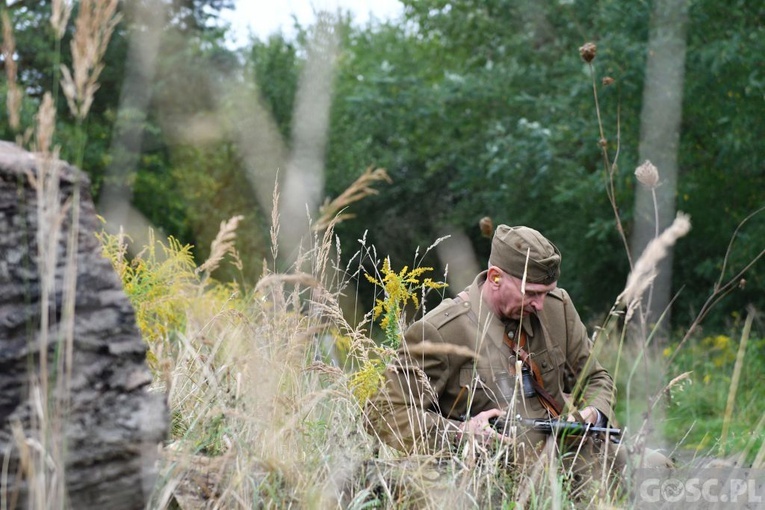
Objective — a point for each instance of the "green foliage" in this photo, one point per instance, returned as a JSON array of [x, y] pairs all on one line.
[[190, 175], [485, 109], [696, 410], [275, 66], [39, 57], [475, 108], [494, 130], [721, 154], [210, 187], [158, 282]]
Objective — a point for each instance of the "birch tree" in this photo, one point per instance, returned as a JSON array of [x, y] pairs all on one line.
[[660, 120]]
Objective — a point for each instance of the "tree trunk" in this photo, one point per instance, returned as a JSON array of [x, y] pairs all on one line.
[[659, 139], [78, 428]]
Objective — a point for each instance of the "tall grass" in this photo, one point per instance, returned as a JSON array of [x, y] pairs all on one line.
[[267, 389], [262, 414]]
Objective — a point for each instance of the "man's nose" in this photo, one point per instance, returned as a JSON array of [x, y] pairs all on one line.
[[538, 303]]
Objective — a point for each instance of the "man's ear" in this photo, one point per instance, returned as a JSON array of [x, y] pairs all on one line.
[[493, 275]]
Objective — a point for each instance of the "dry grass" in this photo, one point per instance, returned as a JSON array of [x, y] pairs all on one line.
[[643, 273], [249, 388], [264, 417], [332, 211], [96, 20], [13, 100], [222, 245]]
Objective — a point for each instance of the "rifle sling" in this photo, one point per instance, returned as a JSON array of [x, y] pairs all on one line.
[[545, 398]]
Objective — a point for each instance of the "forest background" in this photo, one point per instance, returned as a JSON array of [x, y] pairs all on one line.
[[475, 109]]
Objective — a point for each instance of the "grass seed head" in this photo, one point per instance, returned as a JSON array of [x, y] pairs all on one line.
[[11, 70], [645, 268], [647, 174]]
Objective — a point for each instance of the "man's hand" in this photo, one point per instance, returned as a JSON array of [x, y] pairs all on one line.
[[588, 415], [480, 427]]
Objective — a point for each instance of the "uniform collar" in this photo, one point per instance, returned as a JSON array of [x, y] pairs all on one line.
[[528, 328]]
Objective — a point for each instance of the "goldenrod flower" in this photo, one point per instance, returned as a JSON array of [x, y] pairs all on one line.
[[399, 288]]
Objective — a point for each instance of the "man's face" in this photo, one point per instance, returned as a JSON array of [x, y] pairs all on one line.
[[514, 304]]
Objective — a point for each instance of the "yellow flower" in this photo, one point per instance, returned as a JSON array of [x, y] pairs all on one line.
[[399, 288], [722, 349], [367, 380], [722, 342]]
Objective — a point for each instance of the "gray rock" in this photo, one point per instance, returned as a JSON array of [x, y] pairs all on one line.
[[113, 424]]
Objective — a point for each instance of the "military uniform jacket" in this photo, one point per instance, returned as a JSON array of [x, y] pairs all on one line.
[[453, 365]]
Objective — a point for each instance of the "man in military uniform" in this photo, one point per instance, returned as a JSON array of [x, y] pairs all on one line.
[[457, 366]]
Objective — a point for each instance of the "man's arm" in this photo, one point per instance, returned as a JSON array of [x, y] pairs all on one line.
[[404, 411]]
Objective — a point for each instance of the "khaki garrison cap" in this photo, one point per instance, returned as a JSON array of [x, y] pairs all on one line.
[[510, 246]]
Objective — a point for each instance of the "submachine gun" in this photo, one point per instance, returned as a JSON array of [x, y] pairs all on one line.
[[557, 427]]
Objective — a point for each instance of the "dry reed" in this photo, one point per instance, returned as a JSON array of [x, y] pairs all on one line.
[[96, 20], [59, 18], [13, 100], [222, 245], [642, 275]]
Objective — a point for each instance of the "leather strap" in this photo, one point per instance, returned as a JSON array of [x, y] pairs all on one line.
[[545, 398]]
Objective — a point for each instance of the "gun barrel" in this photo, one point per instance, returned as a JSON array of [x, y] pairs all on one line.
[[554, 426], [574, 427]]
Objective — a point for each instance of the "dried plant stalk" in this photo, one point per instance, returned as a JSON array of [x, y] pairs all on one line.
[[94, 26], [360, 188], [13, 100], [222, 244], [46, 125], [60, 12]]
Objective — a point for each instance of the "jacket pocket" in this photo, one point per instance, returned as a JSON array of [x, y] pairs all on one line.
[[551, 370], [489, 387], [544, 360]]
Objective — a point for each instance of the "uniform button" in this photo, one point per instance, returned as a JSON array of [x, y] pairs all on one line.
[[466, 304], [446, 314], [511, 334], [544, 364]]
